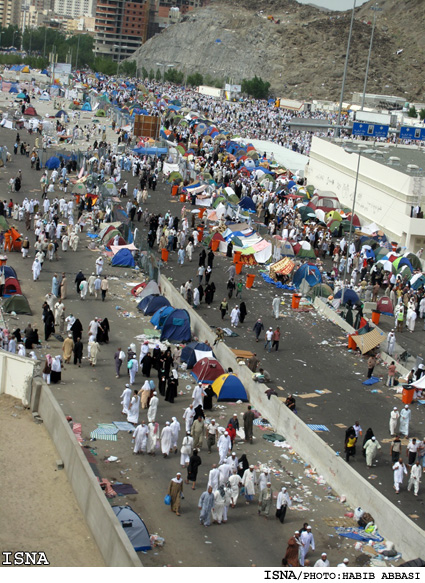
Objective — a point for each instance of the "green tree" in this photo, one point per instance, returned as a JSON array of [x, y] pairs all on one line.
[[158, 76], [422, 114], [174, 76], [256, 87], [195, 79], [413, 112], [145, 73], [105, 65], [129, 68], [10, 36], [151, 75]]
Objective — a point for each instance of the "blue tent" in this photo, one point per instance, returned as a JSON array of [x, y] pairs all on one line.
[[13, 89], [150, 304], [52, 163], [60, 113], [86, 107], [415, 285], [176, 327], [228, 387], [248, 204], [160, 316], [308, 272], [9, 271], [188, 353], [134, 528], [45, 72], [349, 296], [123, 258]]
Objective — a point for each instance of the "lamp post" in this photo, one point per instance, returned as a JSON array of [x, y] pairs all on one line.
[[13, 39], [78, 50], [375, 10], [350, 233], [119, 56], [338, 121]]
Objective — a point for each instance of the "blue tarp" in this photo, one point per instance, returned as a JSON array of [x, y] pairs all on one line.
[[308, 272], [371, 381], [123, 258], [188, 353], [278, 284], [160, 316], [150, 151], [176, 327]]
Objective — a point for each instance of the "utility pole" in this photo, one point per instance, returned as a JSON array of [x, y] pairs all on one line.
[[338, 121], [375, 10], [78, 50], [45, 35]]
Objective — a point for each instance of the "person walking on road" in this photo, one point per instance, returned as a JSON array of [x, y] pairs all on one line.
[[415, 478], [399, 469], [371, 448], [405, 415], [394, 417], [276, 307], [283, 502], [258, 328], [268, 342], [175, 491], [205, 505]]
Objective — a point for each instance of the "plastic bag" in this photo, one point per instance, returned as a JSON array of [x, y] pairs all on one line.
[[358, 513], [167, 500]]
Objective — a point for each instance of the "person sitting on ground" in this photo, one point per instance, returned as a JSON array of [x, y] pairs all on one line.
[[262, 376], [290, 403]]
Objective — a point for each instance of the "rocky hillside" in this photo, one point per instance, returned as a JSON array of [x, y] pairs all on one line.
[[301, 52]]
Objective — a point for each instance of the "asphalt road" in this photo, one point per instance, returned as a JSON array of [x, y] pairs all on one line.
[[302, 365]]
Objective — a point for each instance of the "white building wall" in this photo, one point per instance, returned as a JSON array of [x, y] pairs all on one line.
[[384, 194]]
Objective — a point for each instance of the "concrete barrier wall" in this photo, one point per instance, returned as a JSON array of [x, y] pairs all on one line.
[[392, 523], [110, 537], [16, 374]]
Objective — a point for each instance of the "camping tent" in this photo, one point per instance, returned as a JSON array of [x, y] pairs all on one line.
[[160, 316], [18, 304], [189, 355], [417, 281], [176, 327], [137, 289], [248, 204], [30, 111], [310, 273], [150, 304], [53, 162], [228, 387], [9, 271], [60, 113], [11, 287], [385, 306], [321, 290], [207, 370], [349, 296], [123, 258], [151, 288], [86, 106], [134, 527]]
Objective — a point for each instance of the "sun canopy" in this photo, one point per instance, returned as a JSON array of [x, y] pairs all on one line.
[[207, 370], [367, 342], [228, 387]]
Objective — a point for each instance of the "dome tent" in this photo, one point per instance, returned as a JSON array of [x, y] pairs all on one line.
[[189, 355], [160, 316], [151, 304], [18, 304], [229, 387], [207, 370], [123, 258], [134, 528], [176, 327]]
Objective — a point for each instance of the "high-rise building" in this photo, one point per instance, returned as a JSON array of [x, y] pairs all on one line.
[[74, 8], [10, 12], [121, 27]]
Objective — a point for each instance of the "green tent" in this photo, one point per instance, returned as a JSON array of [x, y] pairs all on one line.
[[18, 304], [321, 290], [100, 113], [218, 200], [414, 260]]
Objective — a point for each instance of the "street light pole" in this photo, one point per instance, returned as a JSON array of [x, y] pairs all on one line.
[[375, 10], [350, 233], [78, 50], [338, 122]]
